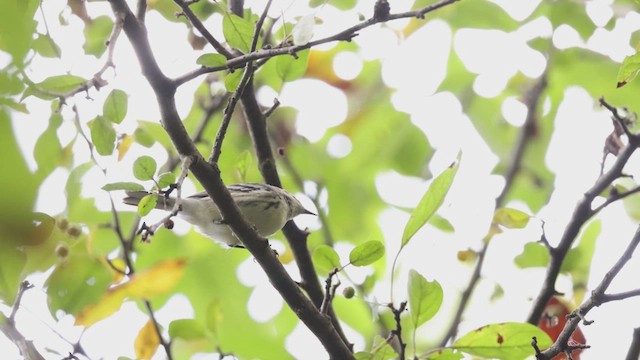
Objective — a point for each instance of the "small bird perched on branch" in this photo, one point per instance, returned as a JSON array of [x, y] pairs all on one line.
[[267, 207]]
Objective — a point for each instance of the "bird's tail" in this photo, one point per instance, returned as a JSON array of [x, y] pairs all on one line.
[[134, 197]]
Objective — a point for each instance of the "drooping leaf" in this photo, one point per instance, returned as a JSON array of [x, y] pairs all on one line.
[[366, 253], [96, 35], [504, 341], [45, 46], [115, 106], [425, 298], [291, 68], [107, 305], [147, 341], [103, 135], [144, 168], [325, 258], [430, 202], [511, 218]]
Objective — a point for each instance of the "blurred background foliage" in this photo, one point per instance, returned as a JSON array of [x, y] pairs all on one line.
[[70, 247]]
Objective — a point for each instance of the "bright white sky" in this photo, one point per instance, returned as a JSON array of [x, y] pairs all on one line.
[[495, 56]]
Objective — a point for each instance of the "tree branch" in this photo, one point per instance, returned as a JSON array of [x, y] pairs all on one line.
[[209, 176], [344, 35], [597, 298], [634, 348], [7, 327], [581, 214]]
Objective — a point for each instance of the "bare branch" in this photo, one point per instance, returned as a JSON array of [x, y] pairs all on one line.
[[597, 298]]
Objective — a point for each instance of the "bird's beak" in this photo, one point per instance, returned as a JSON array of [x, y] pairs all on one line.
[[309, 212]]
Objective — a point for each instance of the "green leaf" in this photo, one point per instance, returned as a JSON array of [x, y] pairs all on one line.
[[238, 32], [511, 218], [144, 168], [115, 106], [430, 202], [12, 261], [629, 69], [128, 186], [143, 137], [147, 203], [441, 223], [166, 179], [425, 298], [47, 151], [303, 30], [188, 329], [75, 283], [61, 84], [325, 258], [366, 253], [45, 46], [533, 255], [103, 135], [97, 34], [505, 341], [211, 60], [290, 68], [232, 80]]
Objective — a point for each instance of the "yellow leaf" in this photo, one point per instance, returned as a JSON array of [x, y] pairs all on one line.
[[158, 280], [123, 146], [108, 304], [147, 341]]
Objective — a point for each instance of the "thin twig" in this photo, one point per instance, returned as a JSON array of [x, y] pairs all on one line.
[[581, 214], [148, 230], [597, 298], [202, 29], [397, 332], [246, 76], [344, 35], [329, 292], [532, 100]]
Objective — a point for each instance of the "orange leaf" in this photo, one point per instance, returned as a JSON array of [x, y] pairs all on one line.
[[158, 280], [147, 341]]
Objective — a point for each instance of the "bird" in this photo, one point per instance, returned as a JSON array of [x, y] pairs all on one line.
[[266, 207]]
